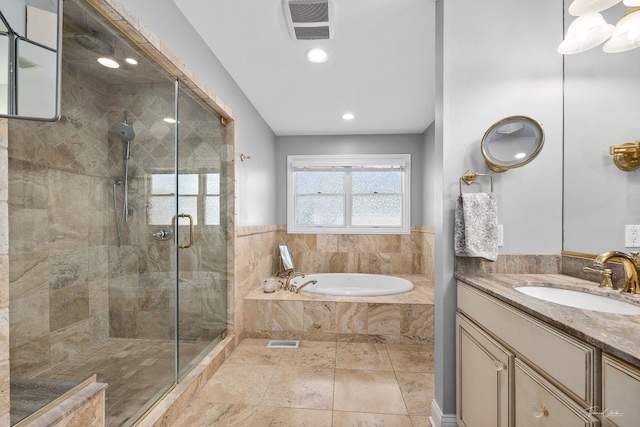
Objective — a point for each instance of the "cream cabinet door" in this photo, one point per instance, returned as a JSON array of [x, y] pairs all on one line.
[[620, 393], [538, 403], [484, 379]]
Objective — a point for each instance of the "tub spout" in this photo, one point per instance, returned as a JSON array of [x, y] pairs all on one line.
[[297, 289]]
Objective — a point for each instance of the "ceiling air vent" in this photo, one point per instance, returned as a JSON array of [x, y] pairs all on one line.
[[310, 19]]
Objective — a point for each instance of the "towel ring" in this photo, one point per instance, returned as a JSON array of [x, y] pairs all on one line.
[[469, 178]]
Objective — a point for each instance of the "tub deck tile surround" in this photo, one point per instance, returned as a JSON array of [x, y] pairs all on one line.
[[403, 318]]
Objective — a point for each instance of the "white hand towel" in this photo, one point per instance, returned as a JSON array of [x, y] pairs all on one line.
[[476, 226]]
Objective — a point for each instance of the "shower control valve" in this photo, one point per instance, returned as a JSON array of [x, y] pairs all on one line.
[[162, 234]]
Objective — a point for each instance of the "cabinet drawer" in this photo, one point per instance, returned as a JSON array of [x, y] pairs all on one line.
[[565, 359], [483, 376], [538, 403], [620, 393]]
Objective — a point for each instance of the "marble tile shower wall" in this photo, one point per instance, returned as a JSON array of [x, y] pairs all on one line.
[[58, 228], [4, 278]]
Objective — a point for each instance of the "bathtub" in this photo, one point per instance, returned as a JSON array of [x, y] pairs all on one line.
[[354, 284]]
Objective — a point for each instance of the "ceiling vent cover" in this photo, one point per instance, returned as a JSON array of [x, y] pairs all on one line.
[[310, 19]]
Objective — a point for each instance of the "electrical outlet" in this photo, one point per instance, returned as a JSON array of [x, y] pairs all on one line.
[[632, 236], [500, 235]]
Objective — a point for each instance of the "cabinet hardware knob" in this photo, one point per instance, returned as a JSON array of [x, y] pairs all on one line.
[[539, 411], [499, 366]]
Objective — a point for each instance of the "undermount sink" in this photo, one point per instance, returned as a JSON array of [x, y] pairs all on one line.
[[578, 299]]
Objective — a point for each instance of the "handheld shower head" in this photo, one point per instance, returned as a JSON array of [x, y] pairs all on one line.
[[124, 131]]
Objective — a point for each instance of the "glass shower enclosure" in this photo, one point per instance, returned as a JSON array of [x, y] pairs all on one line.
[[118, 240]]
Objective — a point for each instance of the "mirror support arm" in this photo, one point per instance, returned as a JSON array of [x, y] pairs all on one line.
[[626, 156]]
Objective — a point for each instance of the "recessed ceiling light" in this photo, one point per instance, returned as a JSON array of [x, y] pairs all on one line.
[[108, 62], [348, 116], [131, 61], [316, 55]]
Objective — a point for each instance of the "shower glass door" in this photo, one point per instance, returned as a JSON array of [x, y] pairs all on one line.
[[201, 230]]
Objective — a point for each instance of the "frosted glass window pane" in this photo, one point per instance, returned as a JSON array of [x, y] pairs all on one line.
[[320, 210], [213, 184], [188, 205], [163, 184], [188, 184], [212, 210], [377, 210], [319, 182], [380, 182], [162, 210]]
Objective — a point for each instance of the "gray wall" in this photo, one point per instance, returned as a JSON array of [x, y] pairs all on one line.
[[352, 144], [429, 187], [256, 191], [503, 61]]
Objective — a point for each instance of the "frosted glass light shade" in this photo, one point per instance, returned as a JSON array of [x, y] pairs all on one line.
[[626, 34], [585, 32], [581, 7], [631, 3]]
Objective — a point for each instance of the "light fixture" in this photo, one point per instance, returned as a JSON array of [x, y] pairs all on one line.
[[169, 120], [581, 7], [626, 35], [108, 62], [585, 32], [590, 29], [348, 116], [316, 55], [131, 61]]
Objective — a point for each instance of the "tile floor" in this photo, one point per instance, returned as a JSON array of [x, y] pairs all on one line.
[[138, 372], [318, 384]]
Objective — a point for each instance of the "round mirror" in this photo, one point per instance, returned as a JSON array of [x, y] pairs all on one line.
[[512, 142]]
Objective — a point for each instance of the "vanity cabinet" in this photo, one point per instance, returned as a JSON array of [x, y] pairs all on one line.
[[483, 376], [620, 393], [538, 402], [548, 378]]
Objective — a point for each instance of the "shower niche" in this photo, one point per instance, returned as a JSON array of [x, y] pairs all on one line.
[[92, 288]]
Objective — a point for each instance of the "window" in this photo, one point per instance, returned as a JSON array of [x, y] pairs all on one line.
[[193, 189], [353, 194]]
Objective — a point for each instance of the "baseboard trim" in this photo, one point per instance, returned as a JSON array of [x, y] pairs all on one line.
[[438, 419]]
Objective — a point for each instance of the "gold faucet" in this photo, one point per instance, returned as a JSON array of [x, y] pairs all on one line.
[[606, 277], [290, 275], [297, 289], [630, 264]]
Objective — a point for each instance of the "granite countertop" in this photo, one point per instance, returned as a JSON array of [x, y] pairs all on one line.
[[616, 334]]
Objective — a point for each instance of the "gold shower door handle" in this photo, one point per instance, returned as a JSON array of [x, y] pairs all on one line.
[[191, 232]]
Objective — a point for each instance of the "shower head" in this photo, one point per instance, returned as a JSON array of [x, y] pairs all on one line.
[[124, 132], [94, 44]]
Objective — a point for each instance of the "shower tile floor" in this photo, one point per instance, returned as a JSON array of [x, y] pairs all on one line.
[[134, 369], [317, 384]]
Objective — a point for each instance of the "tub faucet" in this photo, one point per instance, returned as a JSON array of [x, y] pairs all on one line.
[[630, 264], [297, 289], [290, 275]]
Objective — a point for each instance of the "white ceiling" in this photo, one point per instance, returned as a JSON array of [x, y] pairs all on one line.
[[381, 64]]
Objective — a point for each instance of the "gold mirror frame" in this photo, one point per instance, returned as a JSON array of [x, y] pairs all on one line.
[[498, 165]]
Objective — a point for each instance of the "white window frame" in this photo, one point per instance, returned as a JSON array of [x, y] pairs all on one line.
[[400, 161]]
